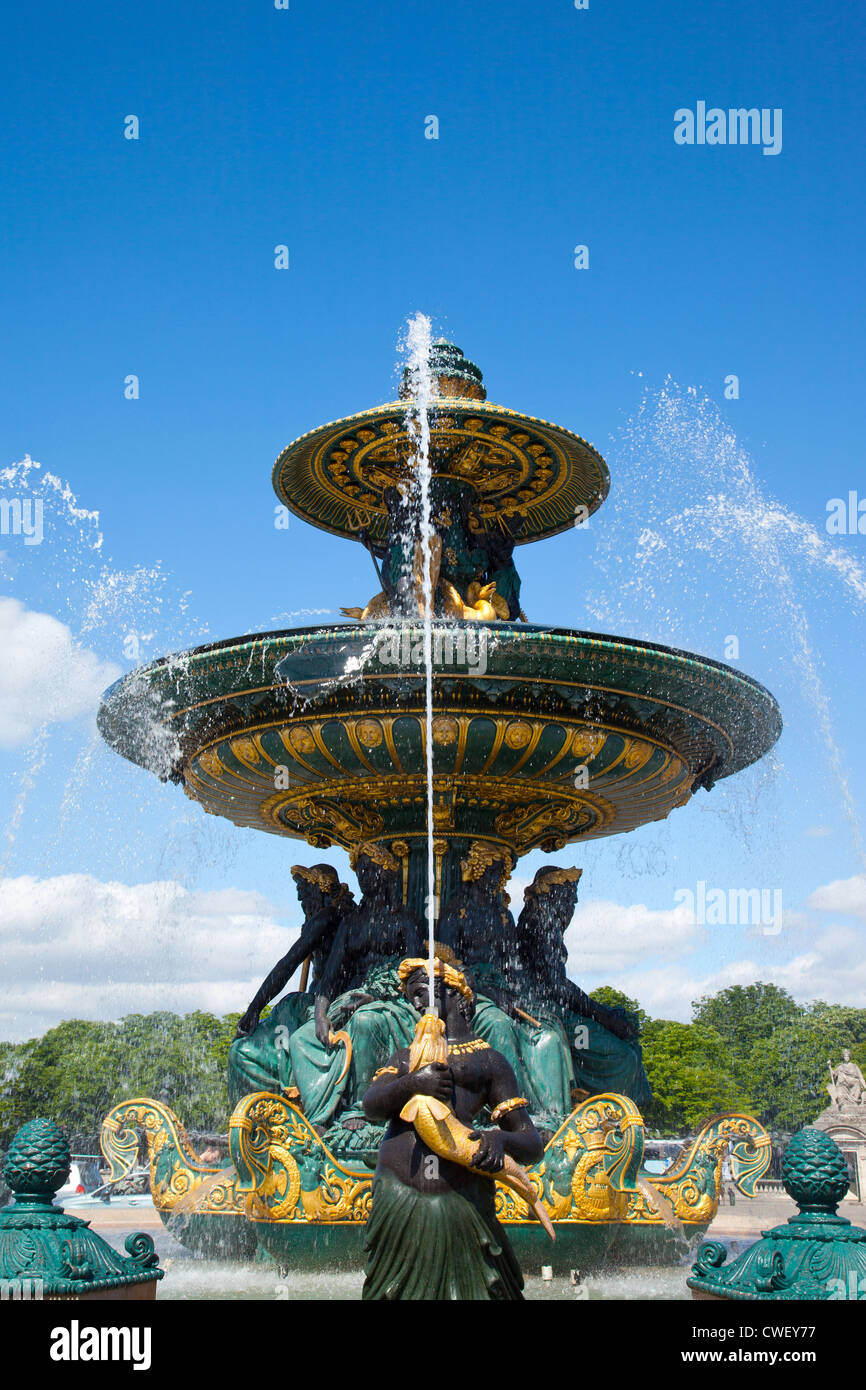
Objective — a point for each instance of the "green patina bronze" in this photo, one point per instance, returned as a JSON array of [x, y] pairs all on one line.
[[815, 1255], [44, 1252], [542, 738], [648, 724]]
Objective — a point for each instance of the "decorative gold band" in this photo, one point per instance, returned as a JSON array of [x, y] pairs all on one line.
[[505, 1106], [385, 1071]]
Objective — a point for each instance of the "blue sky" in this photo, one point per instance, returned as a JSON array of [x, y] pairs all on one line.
[[260, 127]]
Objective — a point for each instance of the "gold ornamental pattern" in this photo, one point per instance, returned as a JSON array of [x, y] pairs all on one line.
[[527, 782], [336, 475]]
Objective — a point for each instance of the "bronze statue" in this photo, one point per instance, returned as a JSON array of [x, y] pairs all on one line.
[[466, 563], [325, 901], [476, 923], [478, 927], [549, 904], [259, 1058], [360, 1013], [432, 1231], [378, 928], [497, 544], [606, 1055]]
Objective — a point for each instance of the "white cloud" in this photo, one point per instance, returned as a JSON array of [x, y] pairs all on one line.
[[809, 958], [44, 675], [76, 947], [606, 936], [832, 968], [845, 895], [817, 832]]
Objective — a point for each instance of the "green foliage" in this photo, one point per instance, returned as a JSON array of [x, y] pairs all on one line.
[[789, 1071], [77, 1071], [744, 1014], [690, 1072], [749, 1048]]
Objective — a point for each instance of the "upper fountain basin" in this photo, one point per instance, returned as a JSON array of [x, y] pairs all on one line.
[[547, 477]]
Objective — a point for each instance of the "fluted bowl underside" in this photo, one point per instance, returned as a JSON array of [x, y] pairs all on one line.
[[541, 737]]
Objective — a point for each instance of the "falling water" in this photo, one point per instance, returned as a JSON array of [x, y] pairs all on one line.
[[688, 517], [417, 348], [113, 615]]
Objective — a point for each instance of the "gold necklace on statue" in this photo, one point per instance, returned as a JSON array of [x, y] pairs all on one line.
[[475, 1045]]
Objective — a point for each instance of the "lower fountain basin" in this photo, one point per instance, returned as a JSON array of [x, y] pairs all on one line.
[[541, 737]]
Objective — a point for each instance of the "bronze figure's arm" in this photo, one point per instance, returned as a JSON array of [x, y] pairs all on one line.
[[311, 935], [394, 1084], [331, 984], [516, 1134]]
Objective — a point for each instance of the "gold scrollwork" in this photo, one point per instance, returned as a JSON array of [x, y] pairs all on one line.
[[177, 1175]]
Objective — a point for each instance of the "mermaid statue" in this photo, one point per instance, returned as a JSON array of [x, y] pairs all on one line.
[[432, 1231], [604, 1052], [562, 1044]]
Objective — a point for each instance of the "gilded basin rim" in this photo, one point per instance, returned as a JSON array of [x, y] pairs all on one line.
[[191, 668], [554, 512]]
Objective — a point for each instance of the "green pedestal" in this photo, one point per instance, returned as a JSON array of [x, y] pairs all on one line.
[[44, 1253], [815, 1255]]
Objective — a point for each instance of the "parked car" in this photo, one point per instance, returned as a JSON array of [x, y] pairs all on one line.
[[73, 1185]]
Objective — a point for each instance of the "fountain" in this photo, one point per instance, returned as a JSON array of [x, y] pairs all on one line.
[[438, 737]]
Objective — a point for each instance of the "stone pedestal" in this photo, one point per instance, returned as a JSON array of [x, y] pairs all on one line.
[[847, 1127]]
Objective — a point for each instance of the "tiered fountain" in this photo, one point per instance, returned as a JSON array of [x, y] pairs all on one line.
[[541, 738]]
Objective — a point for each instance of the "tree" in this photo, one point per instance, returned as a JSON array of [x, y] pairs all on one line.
[[788, 1072], [77, 1071], [689, 1070], [743, 1014]]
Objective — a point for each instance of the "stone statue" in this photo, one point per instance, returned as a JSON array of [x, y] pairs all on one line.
[[432, 1231], [847, 1088], [358, 993], [259, 1058]]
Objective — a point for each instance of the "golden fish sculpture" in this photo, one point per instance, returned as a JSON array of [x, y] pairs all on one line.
[[437, 1125]]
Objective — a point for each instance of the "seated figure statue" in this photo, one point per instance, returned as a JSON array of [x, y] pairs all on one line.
[[432, 1231], [358, 993], [847, 1086], [259, 1058], [478, 927], [606, 1055]]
